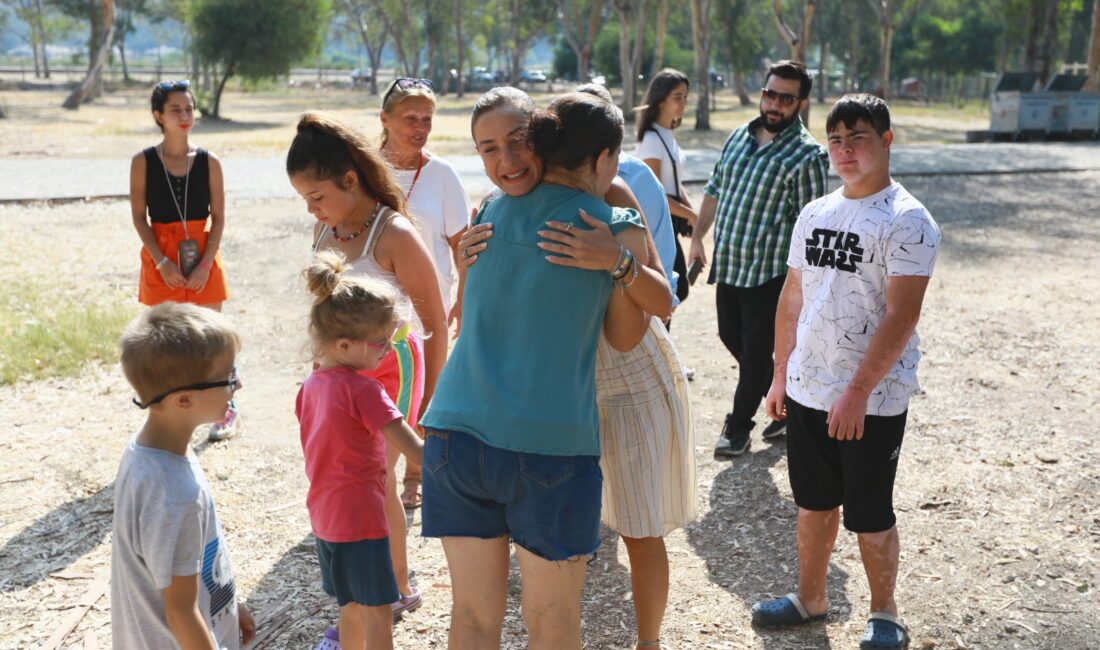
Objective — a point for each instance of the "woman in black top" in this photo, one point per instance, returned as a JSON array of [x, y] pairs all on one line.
[[177, 201]]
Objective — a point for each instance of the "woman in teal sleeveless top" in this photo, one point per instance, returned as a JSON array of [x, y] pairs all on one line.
[[512, 451]]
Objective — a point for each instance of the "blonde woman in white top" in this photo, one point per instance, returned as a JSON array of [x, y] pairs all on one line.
[[437, 203]]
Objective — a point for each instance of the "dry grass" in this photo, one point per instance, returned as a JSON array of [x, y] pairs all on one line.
[[261, 124]]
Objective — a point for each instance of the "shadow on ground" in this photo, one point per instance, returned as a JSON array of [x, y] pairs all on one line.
[[747, 540]]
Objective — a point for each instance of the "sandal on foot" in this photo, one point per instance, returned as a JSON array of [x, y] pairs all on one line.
[[409, 603], [410, 497], [782, 612], [884, 632], [331, 640]]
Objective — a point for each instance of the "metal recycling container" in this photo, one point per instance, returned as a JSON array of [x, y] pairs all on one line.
[[1062, 88], [1084, 114], [1004, 102], [1034, 116]]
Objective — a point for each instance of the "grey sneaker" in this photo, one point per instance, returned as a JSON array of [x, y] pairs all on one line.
[[775, 429], [734, 440]]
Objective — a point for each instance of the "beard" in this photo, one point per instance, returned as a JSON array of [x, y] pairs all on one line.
[[779, 126]]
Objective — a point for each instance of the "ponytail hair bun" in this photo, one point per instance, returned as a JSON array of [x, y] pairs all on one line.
[[324, 275], [575, 129], [544, 132]]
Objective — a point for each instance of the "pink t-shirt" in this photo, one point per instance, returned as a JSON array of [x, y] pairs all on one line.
[[341, 414]]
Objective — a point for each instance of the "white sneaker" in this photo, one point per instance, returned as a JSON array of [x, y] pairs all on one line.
[[228, 427]]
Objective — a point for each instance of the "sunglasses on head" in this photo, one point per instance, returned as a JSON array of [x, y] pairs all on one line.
[[784, 99], [406, 83], [169, 86], [233, 382]]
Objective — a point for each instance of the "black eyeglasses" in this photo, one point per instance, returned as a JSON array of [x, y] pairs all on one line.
[[169, 86], [232, 382], [406, 83], [784, 99]]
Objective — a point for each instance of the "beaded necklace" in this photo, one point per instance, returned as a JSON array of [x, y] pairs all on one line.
[[337, 237]]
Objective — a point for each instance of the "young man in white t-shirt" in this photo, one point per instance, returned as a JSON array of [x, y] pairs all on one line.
[[846, 355]]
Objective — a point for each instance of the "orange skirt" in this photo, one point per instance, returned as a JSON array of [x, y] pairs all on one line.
[[152, 290]]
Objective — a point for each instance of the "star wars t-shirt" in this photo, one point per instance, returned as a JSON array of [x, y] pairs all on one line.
[[846, 250]]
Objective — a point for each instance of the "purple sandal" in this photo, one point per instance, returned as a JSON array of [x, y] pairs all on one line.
[[409, 603]]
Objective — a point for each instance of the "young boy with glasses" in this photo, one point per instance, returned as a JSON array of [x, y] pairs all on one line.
[[171, 579], [846, 355]]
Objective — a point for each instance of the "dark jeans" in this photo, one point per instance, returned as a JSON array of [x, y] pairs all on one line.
[[680, 267], [746, 325]]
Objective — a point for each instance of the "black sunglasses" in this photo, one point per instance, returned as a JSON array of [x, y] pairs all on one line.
[[169, 86], [406, 83], [233, 382], [785, 99]]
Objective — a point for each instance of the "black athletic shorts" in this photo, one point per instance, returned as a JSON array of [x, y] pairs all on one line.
[[857, 474]]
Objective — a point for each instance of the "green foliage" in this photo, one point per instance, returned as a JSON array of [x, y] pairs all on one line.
[[259, 38], [956, 44], [605, 53], [44, 335]]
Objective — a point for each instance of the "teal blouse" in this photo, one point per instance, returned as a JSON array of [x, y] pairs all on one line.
[[522, 375]]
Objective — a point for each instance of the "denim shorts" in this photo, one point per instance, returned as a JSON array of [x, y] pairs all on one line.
[[549, 505], [358, 572]]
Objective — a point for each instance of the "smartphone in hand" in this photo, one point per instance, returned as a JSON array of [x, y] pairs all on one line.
[[693, 272]]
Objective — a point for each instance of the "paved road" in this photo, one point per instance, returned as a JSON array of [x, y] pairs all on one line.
[[252, 178]]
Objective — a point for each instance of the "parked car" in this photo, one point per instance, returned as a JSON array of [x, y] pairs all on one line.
[[360, 76], [533, 76], [480, 78]]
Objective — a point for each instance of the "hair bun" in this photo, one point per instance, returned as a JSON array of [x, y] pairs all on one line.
[[324, 274], [544, 132]]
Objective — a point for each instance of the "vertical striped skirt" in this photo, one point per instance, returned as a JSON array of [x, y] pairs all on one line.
[[647, 441]]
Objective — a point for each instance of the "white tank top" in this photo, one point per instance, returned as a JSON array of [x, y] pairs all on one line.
[[366, 263]]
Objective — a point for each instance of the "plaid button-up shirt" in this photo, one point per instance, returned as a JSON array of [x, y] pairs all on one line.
[[760, 192]]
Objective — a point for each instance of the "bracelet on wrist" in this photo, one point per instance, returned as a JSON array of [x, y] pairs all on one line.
[[206, 266], [620, 262], [162, 261], [622, 269], [633, 275]]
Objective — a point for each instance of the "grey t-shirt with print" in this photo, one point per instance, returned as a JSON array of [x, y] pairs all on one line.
[[165, 524], [846, 249]]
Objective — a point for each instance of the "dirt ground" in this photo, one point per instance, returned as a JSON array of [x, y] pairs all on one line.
[[996, 495]]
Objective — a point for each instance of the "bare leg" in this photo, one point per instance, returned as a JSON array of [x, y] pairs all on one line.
[[880, 560], [479, 585], [816, 537], [552, 600], [360, 624], [411, 482], [395, 516], [649, 581]]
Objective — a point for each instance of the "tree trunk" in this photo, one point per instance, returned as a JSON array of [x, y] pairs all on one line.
[[797, 41], [738, 80], [630, 52], [1049, 40], [122, 58], [853, 62], [659, 40], [822, 71], [93, 77], [1031, 43], [1093, 84], [461, 45], [888, 30], [220, 89], [700, 10], [584, 58]]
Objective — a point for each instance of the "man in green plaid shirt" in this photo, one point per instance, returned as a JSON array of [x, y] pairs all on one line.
[[769, 169]]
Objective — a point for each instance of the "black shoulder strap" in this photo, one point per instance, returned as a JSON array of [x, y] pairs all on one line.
[[675, 172]]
